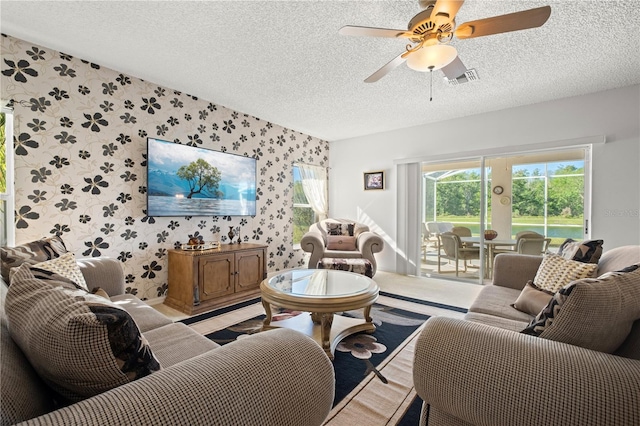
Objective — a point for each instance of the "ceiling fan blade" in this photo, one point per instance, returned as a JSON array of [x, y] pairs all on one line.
[[386, 69], [531, 18], [351, 30], [455, 69], [447, 9]]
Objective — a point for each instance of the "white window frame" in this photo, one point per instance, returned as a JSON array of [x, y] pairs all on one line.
[[296, 246], [8, 197]]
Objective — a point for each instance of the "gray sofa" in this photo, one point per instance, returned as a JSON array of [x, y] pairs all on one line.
[[367, 243], [482, 371], [278, 377]]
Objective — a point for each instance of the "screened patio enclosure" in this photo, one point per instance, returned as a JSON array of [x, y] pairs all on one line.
[[543, 192]]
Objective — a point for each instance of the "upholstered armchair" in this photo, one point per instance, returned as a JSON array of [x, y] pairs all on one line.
[[341, 238]]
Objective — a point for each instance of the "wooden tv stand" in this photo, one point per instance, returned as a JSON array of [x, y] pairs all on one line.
[[201, 280]]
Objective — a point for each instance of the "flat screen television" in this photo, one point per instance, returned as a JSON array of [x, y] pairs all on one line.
[[184, 180]]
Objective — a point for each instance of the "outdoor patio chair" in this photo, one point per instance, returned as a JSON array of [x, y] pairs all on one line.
[[455, 250], [535, 246]]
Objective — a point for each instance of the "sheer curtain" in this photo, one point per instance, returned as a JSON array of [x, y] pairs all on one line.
[[314, 185], [408, 232]]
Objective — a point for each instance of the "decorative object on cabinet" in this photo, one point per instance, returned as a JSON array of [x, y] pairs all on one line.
[[231, 234]]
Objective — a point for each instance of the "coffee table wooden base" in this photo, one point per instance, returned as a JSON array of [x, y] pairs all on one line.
[[319, 294], [326, 328]]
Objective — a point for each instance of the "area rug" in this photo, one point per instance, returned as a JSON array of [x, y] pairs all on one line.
[[373, 371]]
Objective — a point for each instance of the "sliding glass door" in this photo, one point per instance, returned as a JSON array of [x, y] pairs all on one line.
[[454, 202], [545, 192]]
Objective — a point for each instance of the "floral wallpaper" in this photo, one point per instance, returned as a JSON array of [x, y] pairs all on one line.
[[80, 135]]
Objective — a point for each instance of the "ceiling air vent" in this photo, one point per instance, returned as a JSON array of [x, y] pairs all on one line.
[[469, 75]]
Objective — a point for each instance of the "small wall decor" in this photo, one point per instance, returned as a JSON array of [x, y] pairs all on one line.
[[374, 180]]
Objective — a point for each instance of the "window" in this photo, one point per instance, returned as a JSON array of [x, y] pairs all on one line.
[[549, 198], [7, 232], [303, 214]]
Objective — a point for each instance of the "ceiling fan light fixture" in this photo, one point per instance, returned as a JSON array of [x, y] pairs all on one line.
[[431, 58]]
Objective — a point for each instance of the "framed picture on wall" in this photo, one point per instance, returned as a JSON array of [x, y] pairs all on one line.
[[373, 180]]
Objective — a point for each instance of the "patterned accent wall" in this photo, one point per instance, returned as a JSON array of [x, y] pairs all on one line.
[[80, 163]]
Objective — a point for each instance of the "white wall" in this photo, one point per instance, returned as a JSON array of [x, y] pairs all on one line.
[[616, 164]]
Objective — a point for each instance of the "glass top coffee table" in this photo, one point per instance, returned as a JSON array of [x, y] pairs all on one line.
[[320, 294]]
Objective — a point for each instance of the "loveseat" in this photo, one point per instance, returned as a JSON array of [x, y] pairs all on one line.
[[484, 370], [353, 240], [278, 377]]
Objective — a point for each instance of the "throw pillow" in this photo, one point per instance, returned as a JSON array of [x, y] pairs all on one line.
[[80, 344], [64, 266], [556, 272], [32, 252], [99, 291], [531, 299], [594, 313], [334, 228], [588, 251], [341, 242]]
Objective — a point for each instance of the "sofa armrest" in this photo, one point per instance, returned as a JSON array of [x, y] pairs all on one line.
[[278, 377], [313, 242], [369, 242], [514, 270], [487, 375], [103, 272]]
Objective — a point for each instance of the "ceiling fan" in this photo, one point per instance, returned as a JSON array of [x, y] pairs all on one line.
[[433, 28]]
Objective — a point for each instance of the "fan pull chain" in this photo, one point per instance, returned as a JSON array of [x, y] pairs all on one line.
[[431, 83]]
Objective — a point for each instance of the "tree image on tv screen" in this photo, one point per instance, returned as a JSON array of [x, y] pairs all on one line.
[[202, 177]]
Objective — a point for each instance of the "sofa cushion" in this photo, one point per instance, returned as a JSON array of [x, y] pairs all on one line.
[[556, 272], [335, 242], [144, 315], [64, 267], [498, 301], [494, 321], [80, 344], [594, 313], [177, 342], [32, 252], [531, 299], [588, 251]]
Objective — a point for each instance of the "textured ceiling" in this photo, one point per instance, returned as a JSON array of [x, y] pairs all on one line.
[[283, 61]]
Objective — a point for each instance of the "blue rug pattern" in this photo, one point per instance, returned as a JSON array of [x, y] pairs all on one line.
[[357, 355]]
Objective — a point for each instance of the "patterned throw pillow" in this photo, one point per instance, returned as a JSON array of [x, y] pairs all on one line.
[[64, 266], [594, 313], [346, 229], [33, 252], [340, 242], [556, 272], [588, 251], [80, 344]]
